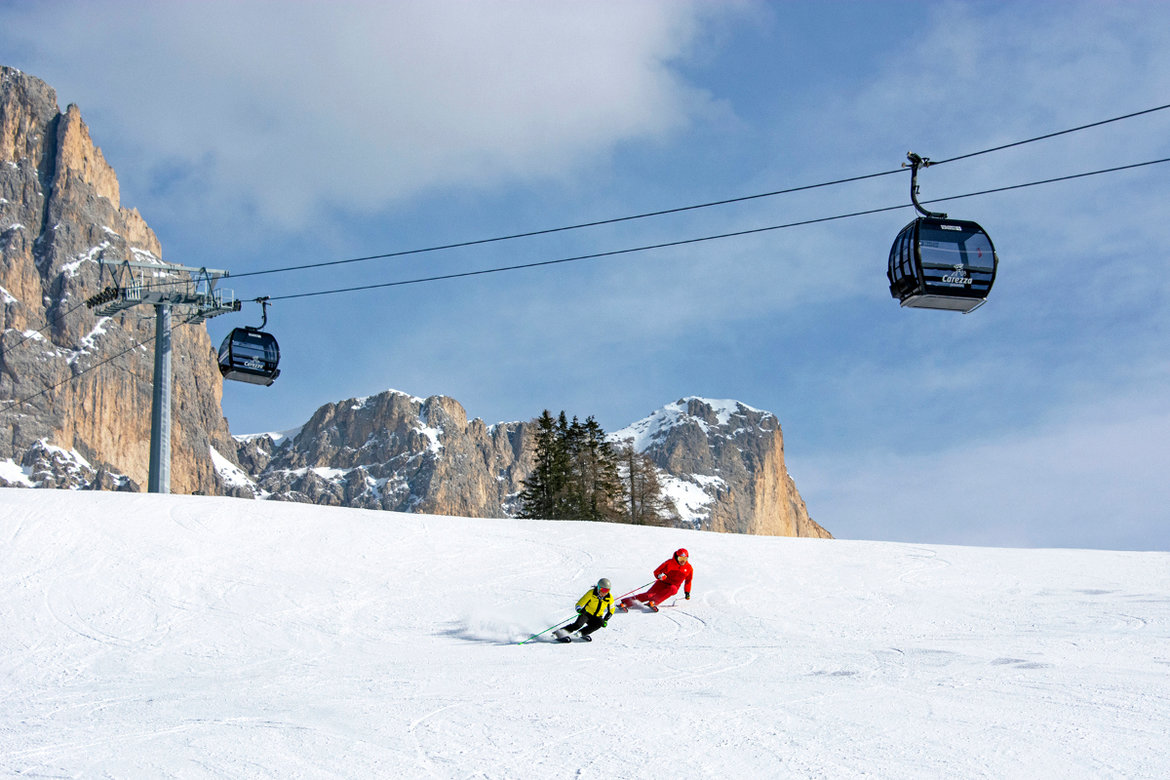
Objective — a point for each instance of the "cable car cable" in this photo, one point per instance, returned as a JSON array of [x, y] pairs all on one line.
[[579, 226], [28, 336], [15, 402], [1070, 177], [702, 239], [680, 209], [593, 256], [1046, 136]]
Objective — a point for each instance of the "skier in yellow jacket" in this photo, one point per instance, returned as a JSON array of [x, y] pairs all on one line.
[[594, 610]]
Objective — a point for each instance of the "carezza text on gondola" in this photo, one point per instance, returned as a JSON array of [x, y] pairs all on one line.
[[940, 263], [250, 354]]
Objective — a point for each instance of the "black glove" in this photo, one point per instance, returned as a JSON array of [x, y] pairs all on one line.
[[604, 623], [580, 610], [688, 596]]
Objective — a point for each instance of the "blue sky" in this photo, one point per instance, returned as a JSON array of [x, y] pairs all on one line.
[[255, 136]]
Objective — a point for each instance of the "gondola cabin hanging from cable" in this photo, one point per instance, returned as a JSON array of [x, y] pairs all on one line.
[[940, 263], [250, 355]]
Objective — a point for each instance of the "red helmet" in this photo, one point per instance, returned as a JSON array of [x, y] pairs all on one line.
[[681, 553]]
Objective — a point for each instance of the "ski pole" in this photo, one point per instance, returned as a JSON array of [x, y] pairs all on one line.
[[619, 599], [550, 628], [628, 592]]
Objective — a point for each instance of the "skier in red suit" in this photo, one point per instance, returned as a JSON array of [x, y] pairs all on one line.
[[672, 574]]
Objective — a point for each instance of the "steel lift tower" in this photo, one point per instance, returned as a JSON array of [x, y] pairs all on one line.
[[163, 286]]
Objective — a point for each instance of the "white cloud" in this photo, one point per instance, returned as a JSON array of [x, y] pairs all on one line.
[[285, 107]]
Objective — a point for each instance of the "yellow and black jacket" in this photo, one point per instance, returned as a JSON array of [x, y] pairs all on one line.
[[596, 605]]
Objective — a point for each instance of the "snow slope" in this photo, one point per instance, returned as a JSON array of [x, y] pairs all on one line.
[[177, 636]]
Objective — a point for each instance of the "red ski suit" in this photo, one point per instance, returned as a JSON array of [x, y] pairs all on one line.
[[670, 575]]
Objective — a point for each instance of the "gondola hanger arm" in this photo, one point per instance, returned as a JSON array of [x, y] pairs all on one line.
[[263, 301], [917, 162]]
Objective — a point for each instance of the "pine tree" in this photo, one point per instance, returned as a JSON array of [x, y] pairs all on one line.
[[545, 488], [575, 476], [598, 486]]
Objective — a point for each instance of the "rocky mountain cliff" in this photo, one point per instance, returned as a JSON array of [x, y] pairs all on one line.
[[60, 214], [392, 451]]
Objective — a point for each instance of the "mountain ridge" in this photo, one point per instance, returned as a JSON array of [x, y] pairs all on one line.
[[721, 462]]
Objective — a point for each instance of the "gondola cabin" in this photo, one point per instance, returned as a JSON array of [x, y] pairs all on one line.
[[940, 263], [250, 355]]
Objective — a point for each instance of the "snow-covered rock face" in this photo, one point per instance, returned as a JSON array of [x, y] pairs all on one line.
[[705, 414], [721, 463], [47, 466], [396, 452], [79, 376], [724, 467]]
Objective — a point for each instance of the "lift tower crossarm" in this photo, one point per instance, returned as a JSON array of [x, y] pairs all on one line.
[[196, 290]]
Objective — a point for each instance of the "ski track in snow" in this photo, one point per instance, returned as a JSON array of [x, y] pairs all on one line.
[[176, 636]]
